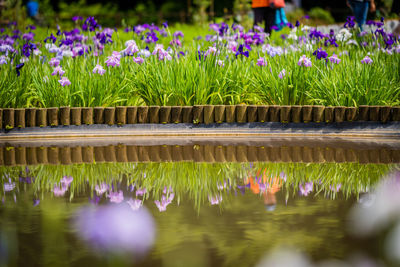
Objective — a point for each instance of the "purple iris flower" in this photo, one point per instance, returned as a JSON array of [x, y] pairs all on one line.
[[316, 34], [241, 51], [18, 68], [320, 53], [76, 18], [366, 60], [52, 38], [350, 22], [297, 23], [165, 24], [178, 34]]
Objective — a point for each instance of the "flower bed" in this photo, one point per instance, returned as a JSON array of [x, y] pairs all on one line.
[[89, 66]]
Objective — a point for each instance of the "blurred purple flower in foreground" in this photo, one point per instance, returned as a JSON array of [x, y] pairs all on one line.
[[116, 229]]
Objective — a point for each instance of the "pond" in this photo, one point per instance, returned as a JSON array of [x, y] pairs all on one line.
[[171, 205]]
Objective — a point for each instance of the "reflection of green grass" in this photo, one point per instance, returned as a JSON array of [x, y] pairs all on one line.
[[199, 180], [242, 233]]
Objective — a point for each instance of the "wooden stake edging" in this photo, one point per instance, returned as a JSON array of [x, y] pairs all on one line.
[[154, 114], [176, 114], [8, 116], [187, 114], [142, 114], [230, 113], [98, 115], [65, 114], [87, 116], [219, 113], [262, 113], [109, 116], [76, 116], [52, 114], [131, 115], [20, 117], [165, 114], [208, 114], [121, 115], [198, 114]]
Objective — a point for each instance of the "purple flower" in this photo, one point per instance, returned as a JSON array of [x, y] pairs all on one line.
[[220, 63], [165, 24], [59, 191], [241, 51], [304, 61], [64, 81], [101, 189], [215, 200], [131, 48], [116, 197], [114, 59], [320, 53], [28, 36], [58, 70], [261, 62], [135, 204], [3, 60], [350, 22], [366, 60], [334, 59], [335, 188], [162, 205], [36, 202], [141, 191], [306, 189], [282, 74], [18, 68], [178, 34], [76, 18], [138, 60], [9, 186], [66, 181], [99, 69], [116, 229]]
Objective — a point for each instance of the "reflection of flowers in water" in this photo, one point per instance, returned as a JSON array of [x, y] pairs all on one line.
[[59, 190], [306, 189], [116, 228], [165, 201], [336, 188], [101, 189], [215, 200], [378, 211], [135, 204], [116, 197]]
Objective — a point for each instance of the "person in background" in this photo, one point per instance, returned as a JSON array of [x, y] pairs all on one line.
[[264, 10], [33, 9], [360, 10]]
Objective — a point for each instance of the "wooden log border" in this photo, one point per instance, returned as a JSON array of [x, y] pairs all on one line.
[[21, 156], [201, 114]]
